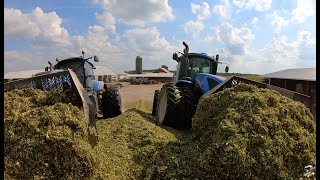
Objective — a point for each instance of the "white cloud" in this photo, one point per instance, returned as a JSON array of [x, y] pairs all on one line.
[[224, 52], [303, 10], [44, 29], [18, 25], [202, 11], [97, 42], [281, 52], [278, 54], [305, 38], [307, 46], [14, 60], [140, 12], [208, 39], [107, 20], [193, 27], [117, 51], [146, 39], [278, 21], [223, 10], [258, 5], [236, 40], [254, 21], [147, 43]]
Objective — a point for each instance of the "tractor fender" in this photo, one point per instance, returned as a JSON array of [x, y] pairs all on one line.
[[205, 82], [184, 82]]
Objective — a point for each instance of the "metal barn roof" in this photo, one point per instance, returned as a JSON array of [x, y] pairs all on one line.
[[162, 75], [163, 69], [307, 74], [103, 70], [100, 70]]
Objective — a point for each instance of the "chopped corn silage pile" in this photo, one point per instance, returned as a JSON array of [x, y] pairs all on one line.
[[44, 137], [242, 132], [248, 132]]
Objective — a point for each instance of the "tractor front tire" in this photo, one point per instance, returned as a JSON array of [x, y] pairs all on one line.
[[111, 105], [166, 112], [155, 102], [176, 106]]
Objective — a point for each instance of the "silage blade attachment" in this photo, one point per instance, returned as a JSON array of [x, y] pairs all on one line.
[[64, 82], [234, 80]]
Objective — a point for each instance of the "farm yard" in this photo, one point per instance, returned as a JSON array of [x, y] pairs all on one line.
[[131, 94]]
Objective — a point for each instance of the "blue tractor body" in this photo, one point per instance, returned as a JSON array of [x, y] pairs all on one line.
[[203, 82], [207, 81], [199, 72]]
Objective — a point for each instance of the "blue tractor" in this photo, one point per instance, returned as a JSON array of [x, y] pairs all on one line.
[[74, 78], [105, 99], [175, 104]]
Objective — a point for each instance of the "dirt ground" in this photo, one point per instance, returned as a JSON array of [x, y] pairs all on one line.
[[130, 94]]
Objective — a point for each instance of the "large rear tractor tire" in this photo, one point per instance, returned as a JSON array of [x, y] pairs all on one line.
[[111, 105], [176, 106], [189, 102], [155, 102]]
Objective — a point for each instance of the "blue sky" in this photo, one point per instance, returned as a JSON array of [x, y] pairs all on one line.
[[252, 36]]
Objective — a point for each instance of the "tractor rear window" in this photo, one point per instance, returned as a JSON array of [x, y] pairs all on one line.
[[75, 66], [198, 65]]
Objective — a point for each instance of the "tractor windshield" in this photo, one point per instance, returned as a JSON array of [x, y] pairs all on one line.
[[198, 65]]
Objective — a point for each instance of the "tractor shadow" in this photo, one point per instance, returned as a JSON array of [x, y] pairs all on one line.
[[148, 116]]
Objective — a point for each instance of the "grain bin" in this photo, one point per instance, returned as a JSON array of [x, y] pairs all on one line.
[[139, 65]]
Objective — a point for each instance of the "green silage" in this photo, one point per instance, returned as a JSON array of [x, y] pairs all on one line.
[[252, 133], [44, 138], [240, 133]]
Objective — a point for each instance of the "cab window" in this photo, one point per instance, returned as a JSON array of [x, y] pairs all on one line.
[[88, 69], [198, 65]]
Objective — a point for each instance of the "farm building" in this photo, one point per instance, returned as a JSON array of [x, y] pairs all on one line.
[[11, 76], [300, 80], [161, 74], [121, 74], [102, 73], [105, 74], [161, 70]]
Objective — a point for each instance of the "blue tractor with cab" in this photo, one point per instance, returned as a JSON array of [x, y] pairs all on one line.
[[196, 77]]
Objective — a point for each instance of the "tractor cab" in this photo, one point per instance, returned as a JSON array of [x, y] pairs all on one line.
[[201, 63], [82, 67], [191, 64]]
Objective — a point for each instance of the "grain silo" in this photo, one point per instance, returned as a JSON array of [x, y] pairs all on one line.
[[139, 65]]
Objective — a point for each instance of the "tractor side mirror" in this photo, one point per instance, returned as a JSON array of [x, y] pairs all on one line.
[[175, 56], [217, 57], [46, 69], [227, 69], [95, 58]]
